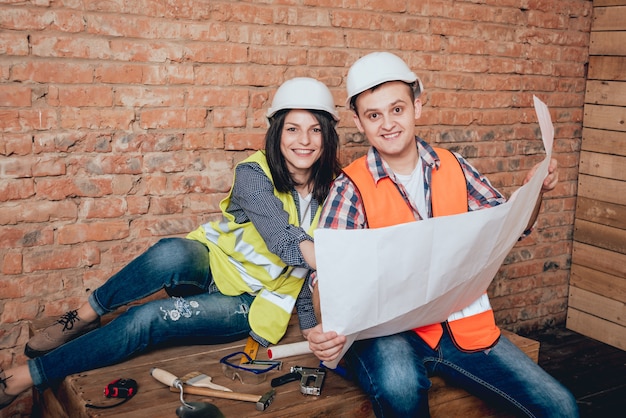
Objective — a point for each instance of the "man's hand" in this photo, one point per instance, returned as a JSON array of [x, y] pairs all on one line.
[[551, 179], [549, 183], [325, 345]]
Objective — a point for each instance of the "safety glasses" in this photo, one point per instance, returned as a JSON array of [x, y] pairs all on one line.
[[251, 372]]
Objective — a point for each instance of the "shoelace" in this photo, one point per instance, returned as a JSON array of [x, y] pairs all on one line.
[[3, 387], [68, 319], [3, 381]]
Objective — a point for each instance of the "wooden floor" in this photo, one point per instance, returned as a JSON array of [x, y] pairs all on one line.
[[594, 372]]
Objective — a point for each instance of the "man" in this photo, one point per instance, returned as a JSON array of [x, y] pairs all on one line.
[[403, 179]]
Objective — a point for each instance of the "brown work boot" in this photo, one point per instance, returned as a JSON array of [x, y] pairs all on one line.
[[5, 399], [65, 329]]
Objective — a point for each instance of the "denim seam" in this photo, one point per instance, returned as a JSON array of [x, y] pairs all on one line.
[[371, 382], [481, 382]]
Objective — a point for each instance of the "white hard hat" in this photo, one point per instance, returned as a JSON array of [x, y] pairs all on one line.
[[303, 93], [377, 68]]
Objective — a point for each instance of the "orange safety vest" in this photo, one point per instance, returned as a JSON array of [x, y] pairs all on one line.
[[385, 206]]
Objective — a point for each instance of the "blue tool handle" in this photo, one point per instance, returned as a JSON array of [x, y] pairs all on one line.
[[341, 371]]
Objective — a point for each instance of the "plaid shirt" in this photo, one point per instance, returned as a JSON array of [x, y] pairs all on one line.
[[253, 200], [344, 208]]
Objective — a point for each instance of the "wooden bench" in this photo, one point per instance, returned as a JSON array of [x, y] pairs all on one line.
[[339, 397]]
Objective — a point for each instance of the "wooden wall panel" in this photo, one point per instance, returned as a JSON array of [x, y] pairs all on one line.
[[606, 142], [599, 235], [604, 261], [607, 43], [608, 18], [601, 212], [600, 3], [606, 190], [599, 282], [597, 296], [607, 68], [606, 92], [605, 117], [603, 306], [596, 327], [603, 165]]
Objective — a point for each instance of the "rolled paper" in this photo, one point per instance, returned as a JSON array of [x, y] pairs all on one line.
[[288, 350]]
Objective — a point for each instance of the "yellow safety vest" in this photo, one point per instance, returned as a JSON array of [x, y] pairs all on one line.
[[241, 263]]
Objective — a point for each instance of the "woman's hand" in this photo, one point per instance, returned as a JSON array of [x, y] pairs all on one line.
[[325, 345]]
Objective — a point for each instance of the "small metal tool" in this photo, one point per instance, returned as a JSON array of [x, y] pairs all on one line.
[[311, 379]]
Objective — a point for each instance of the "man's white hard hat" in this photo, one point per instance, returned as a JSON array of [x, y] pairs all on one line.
[[303, 93], [377, 68]]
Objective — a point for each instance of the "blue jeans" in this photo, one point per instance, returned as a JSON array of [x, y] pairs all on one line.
[[197, 313], [394, 372]]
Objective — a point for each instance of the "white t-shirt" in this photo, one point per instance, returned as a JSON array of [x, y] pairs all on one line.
[[305, 211], [414, 186], [305, 221]]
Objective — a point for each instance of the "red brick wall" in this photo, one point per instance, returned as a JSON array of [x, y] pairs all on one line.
[[120, 123]]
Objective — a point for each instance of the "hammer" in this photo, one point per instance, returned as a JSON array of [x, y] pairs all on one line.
[[262, 402]]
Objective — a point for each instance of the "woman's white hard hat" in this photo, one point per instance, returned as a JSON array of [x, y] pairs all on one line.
[[377, 68], [303, 93]]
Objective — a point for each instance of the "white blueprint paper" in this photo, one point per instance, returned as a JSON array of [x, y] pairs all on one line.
[[375, 282]]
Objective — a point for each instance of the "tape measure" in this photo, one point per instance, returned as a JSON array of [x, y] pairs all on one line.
[[251, 349]]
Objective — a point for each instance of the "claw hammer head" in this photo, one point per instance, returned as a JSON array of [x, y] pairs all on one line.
[[265, 400]]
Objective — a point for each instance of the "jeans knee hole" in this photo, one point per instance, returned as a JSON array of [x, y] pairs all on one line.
[[243, 309]]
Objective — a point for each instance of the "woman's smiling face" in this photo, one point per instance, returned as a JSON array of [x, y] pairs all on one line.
[[301, 143]]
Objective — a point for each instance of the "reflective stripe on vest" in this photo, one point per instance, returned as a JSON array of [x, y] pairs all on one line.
[[472, 328], [242, 263]]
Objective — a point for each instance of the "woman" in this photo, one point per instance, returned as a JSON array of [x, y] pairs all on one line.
[[227, 277]]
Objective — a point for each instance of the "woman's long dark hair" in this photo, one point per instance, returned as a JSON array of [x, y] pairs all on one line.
[[323, 171]]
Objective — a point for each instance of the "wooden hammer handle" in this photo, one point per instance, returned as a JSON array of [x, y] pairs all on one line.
[[218, 393]]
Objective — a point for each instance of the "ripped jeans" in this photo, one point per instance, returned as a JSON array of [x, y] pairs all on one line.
[[197, 313]]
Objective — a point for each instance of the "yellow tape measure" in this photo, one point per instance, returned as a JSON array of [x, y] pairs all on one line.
[[251, 349]]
